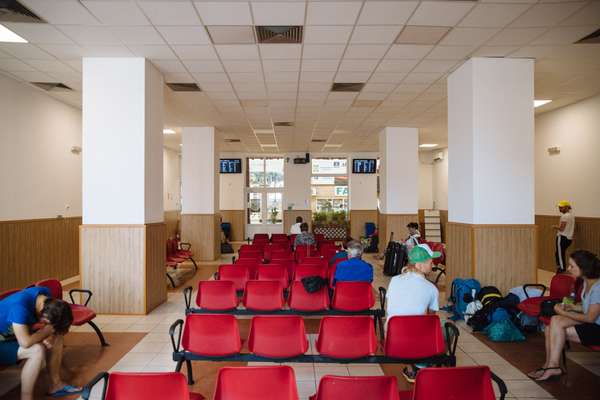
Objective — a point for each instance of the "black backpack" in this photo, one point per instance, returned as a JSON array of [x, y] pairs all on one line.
[[313, 284]]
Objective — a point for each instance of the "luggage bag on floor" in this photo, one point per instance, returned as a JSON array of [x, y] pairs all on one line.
[[396, 258]]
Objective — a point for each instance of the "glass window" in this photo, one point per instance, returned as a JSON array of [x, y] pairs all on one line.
[[274, 172], [256, 169], [329, 185], [274, 208], [329, 166], [255, 208]]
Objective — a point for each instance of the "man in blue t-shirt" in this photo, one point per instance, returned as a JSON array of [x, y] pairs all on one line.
[[18, 341], [354, 269]]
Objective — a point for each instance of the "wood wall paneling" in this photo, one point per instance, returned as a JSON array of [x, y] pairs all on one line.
[[358, 218], [156, 289], [459, 251], [237, 218], [394, 223], [172, 219], [289, 218], [444, 222], [32, 250], [204, 233], [587, 234]]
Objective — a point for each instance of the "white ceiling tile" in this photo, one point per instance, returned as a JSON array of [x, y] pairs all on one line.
[[495, 51], [224, 13], [393, 65], [362, 51], [327, 34], [203, 66], [195, 52], [237, 51], [75, 64], [282, 77], [116, 12], [169, 65], [64, 51], [90, 35], [493, 15], [468, 36], [282, 87], [440, 13], [435, 66], [67, 12], [332, 13], [38, 33], [588, 15], [408, 51], [323, 51], [249, 87], [280, 51], [211, 77], [242, 65], [159, 52], [386, 12], [33, 76], [184, 34], [348, 65], [387, 77], [25, 50], [352, 76], [12, 65], [450, 52], [375, 34], [278, 13], [323, 76], [564, 35], [178, 77], [515, 36], [546, 15], [319, 65], [170, 12], [246, 77], [50, 66], [137, 35], [281, 65], [421, 78]]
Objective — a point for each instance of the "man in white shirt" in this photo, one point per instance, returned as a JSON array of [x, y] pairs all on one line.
[[564, 234], [295, 229]]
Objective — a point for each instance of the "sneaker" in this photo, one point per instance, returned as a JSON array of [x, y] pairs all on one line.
[[410, 375]]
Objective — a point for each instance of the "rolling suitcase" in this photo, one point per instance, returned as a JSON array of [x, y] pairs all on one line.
[[395, 258]]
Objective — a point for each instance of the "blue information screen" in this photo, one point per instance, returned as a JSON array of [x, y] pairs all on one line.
[[364, 166], [231, 165]]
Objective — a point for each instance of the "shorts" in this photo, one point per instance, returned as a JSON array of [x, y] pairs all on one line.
[[589, 334], [8, 352]]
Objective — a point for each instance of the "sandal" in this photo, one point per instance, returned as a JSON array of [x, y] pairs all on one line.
[[66, 390], [551, 377], [533, 374]]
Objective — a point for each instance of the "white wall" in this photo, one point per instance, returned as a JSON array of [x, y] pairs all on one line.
[[231, 186], [199, 171], [425, 185], [362, 187], [297, 183], [39, 175], [172, 179], [574, 174], [440, 180]]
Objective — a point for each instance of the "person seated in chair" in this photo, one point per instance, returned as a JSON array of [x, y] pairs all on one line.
[[305, 238], [575, 323], [44, 347], [414, 236], [295, 229], [354, 268]]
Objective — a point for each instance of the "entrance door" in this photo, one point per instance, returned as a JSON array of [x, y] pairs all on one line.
[[264, 196]]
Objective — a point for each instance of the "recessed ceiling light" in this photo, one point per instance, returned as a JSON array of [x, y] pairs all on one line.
[[8, 36], [333, 145], [427, 145], [168, 131], [539, 103], [268, 145], [263, 131]]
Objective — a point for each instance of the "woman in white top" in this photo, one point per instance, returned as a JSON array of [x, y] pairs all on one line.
[[564, 234], [414, 236]]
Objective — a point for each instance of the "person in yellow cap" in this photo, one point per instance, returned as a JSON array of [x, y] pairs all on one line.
[[564, 234]]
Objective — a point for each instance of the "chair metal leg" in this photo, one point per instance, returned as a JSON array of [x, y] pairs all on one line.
[[99, 333], [190, 377], [171, 280], [178, 366], [195, 265]]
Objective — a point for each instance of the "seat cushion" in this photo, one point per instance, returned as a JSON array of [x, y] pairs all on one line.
[[532, 306], [196, 396], [81, 314], [405, 395]]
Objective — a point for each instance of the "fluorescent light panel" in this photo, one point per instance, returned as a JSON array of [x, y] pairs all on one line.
[[8, 36], [427, 145], [539, 103], [168, 131]]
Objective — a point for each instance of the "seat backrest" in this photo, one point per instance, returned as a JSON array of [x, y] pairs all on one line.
[[464, 383], [7, 293], [347, 337], [256, 383], [561, 285], [277, 336], [302, 251], [263, 296], [146, 385], [305, 270], [353, 296], [319, 237], [54, 285], [282, 254], [414, 336], [250, 247], [211, 335], [301, 300], [357, 388], [252, 265], [279, 237], [274, 272], [238, 274], [254, 254], [287, 262], [216, 295]]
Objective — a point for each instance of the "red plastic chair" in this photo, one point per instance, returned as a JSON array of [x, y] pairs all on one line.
[[301, 300], [211, 335], [303, 251], [278, 237], [251, 264], [347, 337], [274, 272], [306, 270], [414, 337], [217, 295], [81, 313], [260, 238], [332, 269], [313, 261], [357, 388], [252, 254], [239, 274], [287, 262], [319, 237], [277, 336], [353, 296], [143, 386], [263, 296], [464, 383], [7, 293], [256, 383], [561, 285]]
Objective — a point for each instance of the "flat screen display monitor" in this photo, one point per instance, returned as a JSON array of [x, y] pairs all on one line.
[[364, 166], [231, 165]]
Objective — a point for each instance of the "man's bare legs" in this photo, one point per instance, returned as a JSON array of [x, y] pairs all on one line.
[[34, 357]]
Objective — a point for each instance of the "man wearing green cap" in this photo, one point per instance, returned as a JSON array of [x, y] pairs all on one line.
[[410, 293]]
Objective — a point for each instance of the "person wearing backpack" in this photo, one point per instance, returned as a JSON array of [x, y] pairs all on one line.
[[576, 323]]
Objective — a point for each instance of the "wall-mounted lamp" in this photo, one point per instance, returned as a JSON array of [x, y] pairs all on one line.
[[76, 150]]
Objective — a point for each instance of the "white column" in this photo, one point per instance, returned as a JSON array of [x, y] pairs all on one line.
[[490, 142]]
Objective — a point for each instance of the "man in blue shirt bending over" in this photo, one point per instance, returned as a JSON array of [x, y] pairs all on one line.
[[354, 269]]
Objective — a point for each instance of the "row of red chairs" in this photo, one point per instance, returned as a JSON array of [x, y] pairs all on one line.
[[282, 237], [249, 383], [283, 251], [409, 339], [82, 314], [178, 252]]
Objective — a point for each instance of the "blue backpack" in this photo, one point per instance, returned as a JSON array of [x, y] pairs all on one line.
[[462, 293]]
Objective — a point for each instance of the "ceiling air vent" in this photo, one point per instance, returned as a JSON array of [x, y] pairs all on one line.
[[347, 87], [51, 86], [232, 140], [279, 34], [283, 124], [319, 140], [184, 87], [593, 37], [13, 11]]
